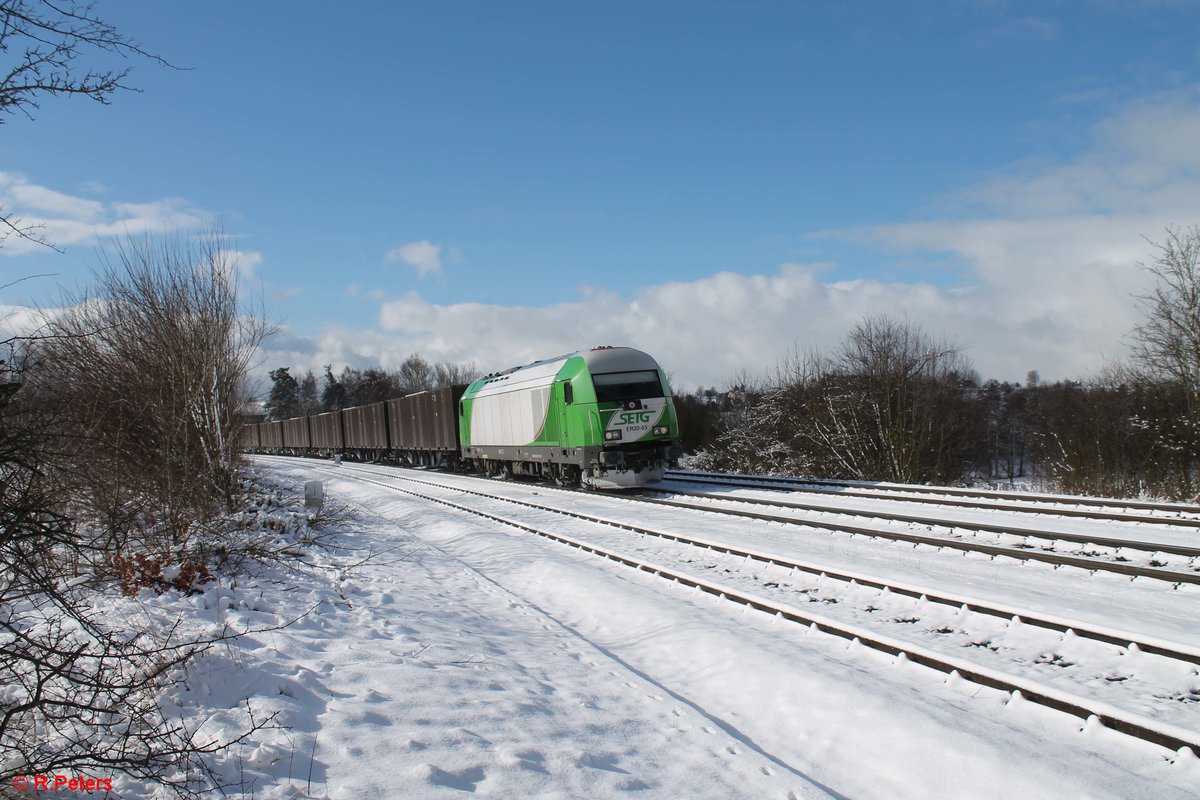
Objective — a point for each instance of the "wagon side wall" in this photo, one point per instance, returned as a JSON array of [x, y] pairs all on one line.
[[296, 433], [271, 435], [327, 431], [249, 436], [365, 427]]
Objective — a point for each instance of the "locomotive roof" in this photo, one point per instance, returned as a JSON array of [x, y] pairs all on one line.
[[616, 359], [598, 359]]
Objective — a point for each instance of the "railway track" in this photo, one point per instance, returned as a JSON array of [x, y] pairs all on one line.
[[1183, 515], [1089, 709], [1022, 551]]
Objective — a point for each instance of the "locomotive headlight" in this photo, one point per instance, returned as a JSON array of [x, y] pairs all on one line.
[[612, 436], [661, 430]]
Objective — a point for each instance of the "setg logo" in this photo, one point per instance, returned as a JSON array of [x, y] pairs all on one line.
[[636, 420]]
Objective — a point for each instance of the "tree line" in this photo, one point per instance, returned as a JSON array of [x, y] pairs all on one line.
[[895, 404], [289, 397]]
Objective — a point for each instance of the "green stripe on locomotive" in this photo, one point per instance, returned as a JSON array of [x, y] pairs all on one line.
[[582, 422]]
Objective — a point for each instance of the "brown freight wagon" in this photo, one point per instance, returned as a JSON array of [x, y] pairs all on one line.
[[401, 425], [424, 425], [326, 430], [270, 435], [365, 427], [442, 429], [296, 435], [249, 436]]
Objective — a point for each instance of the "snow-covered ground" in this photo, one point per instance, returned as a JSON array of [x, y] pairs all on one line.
[[434, 653]]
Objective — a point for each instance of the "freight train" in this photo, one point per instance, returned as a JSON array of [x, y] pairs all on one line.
[[600, 418]]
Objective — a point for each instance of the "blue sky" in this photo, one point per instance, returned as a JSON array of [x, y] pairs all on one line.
[[715, 183]]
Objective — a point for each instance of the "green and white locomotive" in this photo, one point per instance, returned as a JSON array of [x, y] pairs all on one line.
[[601, 417]]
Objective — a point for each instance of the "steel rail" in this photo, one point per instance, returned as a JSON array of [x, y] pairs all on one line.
[[920, 519], [1021, 502], [1083, 630], [1169, 736], [1018, 553]]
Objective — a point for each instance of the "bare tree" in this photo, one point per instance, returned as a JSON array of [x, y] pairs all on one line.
[[891, 404], [150, 369], [77, 693], [1166, 361], [414, 375], [1167, 344], [448, 373], [904, 416], [43, 43]]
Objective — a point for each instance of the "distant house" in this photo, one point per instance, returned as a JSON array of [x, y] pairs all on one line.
[[253, 412]]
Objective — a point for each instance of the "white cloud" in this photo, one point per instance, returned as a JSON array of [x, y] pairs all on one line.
[[1142, 160], [1048, 266], [1052, 258], [708, 330], [1048, 263], [65, 220], [39, 199], [21, 321], [424, 255], [702, 331], [246, 262]]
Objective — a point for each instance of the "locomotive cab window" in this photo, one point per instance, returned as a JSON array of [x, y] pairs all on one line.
[[568, 393], [621, 386]]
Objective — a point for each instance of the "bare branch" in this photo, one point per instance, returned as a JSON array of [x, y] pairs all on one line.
[[47, 41]]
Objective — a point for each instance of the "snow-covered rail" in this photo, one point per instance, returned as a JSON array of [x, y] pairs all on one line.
[[1094, 711], [1022, 551], [1184, 515]]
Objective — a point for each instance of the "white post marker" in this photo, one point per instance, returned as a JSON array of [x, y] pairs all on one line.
[[314, 495]]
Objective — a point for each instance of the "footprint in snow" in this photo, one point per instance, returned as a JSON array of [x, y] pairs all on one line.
[[371, 718], [464, 780], [528, 760]]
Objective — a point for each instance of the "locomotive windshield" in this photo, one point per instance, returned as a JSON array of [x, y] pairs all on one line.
[[621, 386]]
